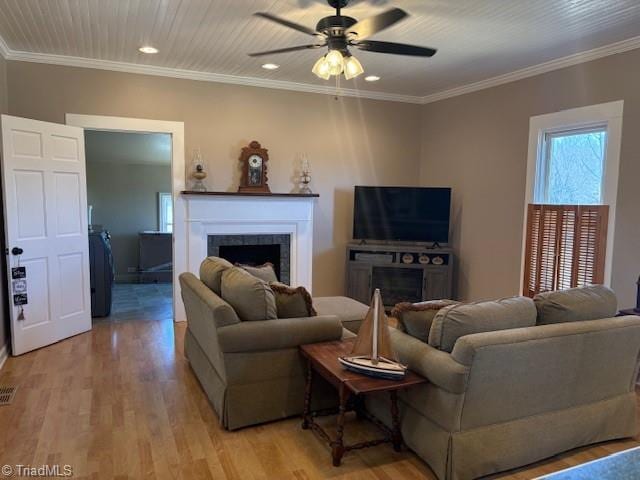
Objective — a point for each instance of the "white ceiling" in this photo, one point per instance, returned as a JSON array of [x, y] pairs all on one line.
[[477, 39], [127, 148]]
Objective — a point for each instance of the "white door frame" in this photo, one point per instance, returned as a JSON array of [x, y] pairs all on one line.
[[176, 130]]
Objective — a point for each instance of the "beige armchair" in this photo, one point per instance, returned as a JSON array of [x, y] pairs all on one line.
[[251, 371]]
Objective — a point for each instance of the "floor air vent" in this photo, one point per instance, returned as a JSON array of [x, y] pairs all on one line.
[[7, 394]]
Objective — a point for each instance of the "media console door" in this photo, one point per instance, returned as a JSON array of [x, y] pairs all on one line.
[[359, 282]]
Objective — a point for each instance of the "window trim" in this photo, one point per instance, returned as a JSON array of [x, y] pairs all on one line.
[[604, 114], [162, 225]]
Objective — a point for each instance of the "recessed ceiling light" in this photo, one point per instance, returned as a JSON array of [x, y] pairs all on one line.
[[270, 66], [148, 49], [372, 78]]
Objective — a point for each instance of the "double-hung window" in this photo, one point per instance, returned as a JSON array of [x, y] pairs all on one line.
[[572, 182]]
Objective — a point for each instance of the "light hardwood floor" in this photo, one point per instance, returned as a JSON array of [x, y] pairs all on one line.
[[121, 402]]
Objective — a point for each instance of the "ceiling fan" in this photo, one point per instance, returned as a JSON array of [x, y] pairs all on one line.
[[339, 32]]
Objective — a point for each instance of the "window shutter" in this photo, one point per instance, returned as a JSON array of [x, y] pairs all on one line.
[[565, 247], [531, 267], [591, 244], [566, 250]]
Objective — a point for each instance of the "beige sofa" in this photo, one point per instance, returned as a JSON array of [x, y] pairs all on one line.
[[503, 399], [251, 370]]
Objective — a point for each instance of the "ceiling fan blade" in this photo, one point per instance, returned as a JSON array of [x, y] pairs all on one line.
[[284, 50], [369, 26], [287, 23], [395, 48]]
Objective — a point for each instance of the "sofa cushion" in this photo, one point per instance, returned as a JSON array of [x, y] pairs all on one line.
[[350, 311], [264, 272], [455, 321], [576, 304], [292, 302], [416, 318], [211, 270], [250, 297]]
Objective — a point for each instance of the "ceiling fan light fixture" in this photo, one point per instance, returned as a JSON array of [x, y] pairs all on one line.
[[335, 60], [352, 67], [321, 68]]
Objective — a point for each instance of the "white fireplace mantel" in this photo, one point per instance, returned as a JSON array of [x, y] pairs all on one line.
[[225, 213]]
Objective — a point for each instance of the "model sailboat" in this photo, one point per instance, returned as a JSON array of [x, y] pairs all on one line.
[[372, 353]]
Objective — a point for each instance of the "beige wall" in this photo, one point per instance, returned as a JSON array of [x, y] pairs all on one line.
[[349, 141], [4, 312], [125, 202], [477, 143]]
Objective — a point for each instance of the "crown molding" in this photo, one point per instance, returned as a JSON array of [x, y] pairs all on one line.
[[568, 61], [83, 62]]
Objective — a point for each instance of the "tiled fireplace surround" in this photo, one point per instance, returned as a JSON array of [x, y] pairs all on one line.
[[281, 257], [226, 219]]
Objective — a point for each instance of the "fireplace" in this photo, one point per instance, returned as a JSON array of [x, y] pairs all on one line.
[[254, 250], [216, 219]]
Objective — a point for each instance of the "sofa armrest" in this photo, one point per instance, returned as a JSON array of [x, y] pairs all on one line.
[[279, 333], [436, 366], [202, 304]]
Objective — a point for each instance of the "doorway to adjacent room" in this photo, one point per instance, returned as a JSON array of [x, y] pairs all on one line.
[[146, 211], [130, 224]]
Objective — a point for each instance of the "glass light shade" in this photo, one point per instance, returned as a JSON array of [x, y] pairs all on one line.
[[336, 62], [352, 68], [321, 68]]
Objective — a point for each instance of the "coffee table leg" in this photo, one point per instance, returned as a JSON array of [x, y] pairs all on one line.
[[306, 412], [396, 434], [337, 450], [359, 407]]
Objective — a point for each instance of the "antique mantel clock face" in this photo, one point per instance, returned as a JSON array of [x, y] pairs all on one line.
[[253, 161], [255, 170]]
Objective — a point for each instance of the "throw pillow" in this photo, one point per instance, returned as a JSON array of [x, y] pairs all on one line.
[[576, 304], [416, 318], [211, 270], [292, 302], [264, 272], [455, 321], [250, 297]]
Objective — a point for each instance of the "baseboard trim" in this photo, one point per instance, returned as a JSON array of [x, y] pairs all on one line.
[[4, 354]]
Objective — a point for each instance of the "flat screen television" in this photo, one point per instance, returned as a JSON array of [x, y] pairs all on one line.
[[406, 214]]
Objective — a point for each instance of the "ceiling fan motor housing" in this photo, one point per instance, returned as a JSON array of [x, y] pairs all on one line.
[[334, 25]]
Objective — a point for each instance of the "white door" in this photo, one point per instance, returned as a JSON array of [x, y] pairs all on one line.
[[45, 202]]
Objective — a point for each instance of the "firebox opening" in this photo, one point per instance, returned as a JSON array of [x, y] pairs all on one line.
[[253, 255]]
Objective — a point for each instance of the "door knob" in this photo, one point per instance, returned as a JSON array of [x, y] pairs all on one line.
[[17, 251]]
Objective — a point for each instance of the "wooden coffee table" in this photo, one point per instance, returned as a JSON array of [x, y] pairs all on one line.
[[322, 358]]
